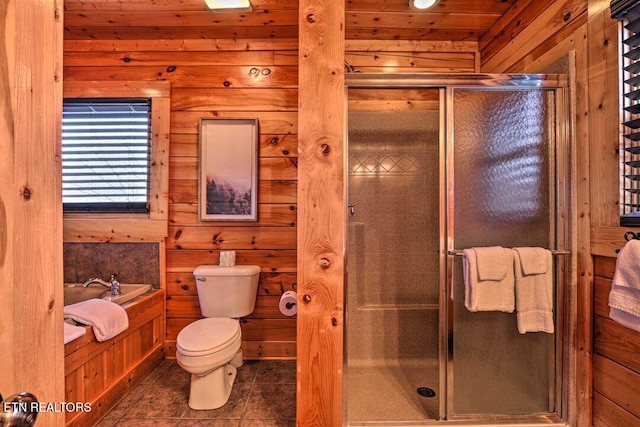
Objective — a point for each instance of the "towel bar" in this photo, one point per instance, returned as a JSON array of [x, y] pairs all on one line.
[[459, 252]]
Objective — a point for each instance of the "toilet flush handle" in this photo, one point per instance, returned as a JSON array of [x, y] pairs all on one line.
[[202, 279]]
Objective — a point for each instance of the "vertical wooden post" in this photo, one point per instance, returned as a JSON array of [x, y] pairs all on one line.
[[321, 211], [31, 344]]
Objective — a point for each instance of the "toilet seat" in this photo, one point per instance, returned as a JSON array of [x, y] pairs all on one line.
[[208, 335]]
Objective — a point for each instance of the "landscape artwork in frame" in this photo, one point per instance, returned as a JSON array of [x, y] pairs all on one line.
[[228, 182]]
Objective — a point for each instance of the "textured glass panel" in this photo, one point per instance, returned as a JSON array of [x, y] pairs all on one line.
[[502, 197]]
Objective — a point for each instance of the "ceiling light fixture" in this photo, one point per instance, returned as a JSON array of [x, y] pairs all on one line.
[[421, 4], [229, 5]]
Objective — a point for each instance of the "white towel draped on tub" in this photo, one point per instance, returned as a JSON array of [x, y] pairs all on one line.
[[73, 332], [534, 289], [488, 279], [107, 318], [624, 298]]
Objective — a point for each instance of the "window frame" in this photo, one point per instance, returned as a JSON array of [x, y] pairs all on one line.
[[128, 227]]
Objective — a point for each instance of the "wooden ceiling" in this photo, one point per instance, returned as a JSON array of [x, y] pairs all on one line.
[[454, 20]]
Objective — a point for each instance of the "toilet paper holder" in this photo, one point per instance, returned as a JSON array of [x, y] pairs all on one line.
[[287, 304]]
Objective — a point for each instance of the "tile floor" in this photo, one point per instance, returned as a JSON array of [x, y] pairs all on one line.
[[264, 395]]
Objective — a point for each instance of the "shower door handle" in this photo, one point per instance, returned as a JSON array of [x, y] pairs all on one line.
[[352, 209]]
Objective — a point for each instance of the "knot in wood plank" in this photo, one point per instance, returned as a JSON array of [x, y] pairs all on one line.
[[26, 193]]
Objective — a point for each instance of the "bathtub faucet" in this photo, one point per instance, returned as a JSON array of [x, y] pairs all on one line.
[[113, 284]]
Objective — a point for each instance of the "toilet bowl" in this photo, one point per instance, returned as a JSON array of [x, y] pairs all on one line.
[[209, 349]]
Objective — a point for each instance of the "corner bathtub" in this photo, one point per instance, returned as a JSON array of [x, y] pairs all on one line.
[[74, 292]]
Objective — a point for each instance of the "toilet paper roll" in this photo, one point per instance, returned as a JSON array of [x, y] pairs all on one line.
[[288, 303], [227, 258]]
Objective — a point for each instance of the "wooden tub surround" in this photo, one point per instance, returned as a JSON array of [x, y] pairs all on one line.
[[102, 373]]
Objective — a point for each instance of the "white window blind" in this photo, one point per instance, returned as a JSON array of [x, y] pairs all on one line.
[[629, 13], [105, 155]]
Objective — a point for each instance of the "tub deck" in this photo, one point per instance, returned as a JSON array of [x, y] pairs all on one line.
[[74, 292], [102, 373]]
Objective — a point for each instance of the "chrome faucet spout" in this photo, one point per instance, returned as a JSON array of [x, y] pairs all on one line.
[[113, 285], [96, 280]]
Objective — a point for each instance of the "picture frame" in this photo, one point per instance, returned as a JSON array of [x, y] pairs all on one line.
[[228, 169]]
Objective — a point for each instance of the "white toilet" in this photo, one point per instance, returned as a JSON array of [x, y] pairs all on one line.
[[209, 348]]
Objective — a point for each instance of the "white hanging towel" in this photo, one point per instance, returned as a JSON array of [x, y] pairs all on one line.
[[624, 298], [534, 289], [488, 279]]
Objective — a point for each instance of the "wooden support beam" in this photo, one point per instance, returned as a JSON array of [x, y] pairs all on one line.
[[31, 348], [321, 213]]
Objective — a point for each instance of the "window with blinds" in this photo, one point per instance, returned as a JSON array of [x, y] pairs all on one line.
[[629, 13], [105, 155]]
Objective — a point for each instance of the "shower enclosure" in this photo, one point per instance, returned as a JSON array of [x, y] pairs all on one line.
[[437, 164]]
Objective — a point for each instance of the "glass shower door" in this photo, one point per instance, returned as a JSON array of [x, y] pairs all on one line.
[[503, 176], [394, 240]]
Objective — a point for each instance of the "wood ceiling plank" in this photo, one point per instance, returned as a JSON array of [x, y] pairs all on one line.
[[166, 5], [438, 21], [411, 46], [373, 33], [217, 45], [164, 33], [444, 6], [123, 59], [256, 18]]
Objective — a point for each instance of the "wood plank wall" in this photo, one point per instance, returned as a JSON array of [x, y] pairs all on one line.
[[219, 78], [616, 367], [240, 78]]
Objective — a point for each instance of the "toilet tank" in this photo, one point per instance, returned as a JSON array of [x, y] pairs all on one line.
[[227, 291]]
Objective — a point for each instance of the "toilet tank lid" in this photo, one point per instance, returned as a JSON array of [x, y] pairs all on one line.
[[216, 270]]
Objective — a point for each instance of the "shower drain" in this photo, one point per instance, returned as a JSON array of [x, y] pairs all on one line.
[[426, 392]]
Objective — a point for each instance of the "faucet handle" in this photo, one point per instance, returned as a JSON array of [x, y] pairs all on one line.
[[115, 285]]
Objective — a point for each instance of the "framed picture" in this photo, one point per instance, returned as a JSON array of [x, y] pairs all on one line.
[[228, 181]]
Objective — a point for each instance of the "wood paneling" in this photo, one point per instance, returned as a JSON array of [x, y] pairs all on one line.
[[616, 374], [213, 78], [510, 41], [618, 384], [30, 209], [277, 19], [608, 414], [606, 240], [604, 123], [387, 56]]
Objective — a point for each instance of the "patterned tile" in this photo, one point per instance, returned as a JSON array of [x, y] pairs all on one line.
[[209, 423], [148, 422], [160, 401], [263, 396], [271, 401], [277, 372], [269, 423], [247, 372], [233, 409], [158, 371]]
